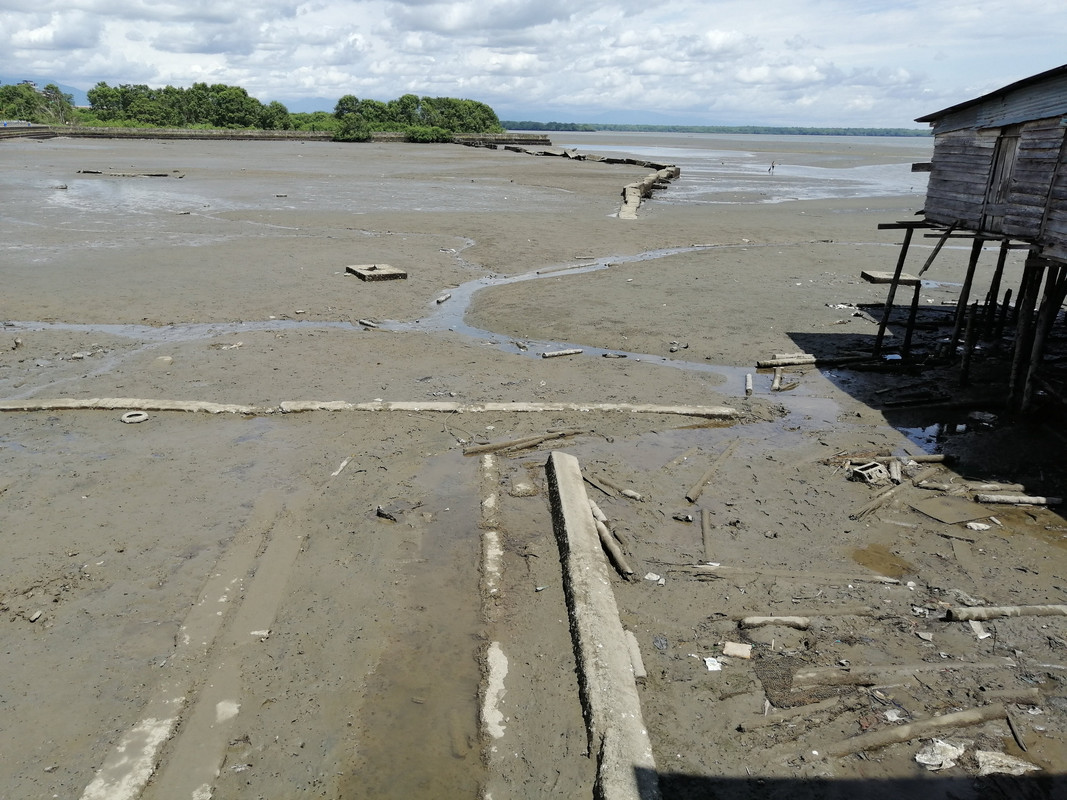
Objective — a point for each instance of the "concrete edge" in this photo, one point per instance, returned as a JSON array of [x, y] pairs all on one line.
[[626, 769], [291, 407]]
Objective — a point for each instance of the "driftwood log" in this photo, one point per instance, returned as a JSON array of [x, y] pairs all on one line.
[[979, 613], [916, 730]]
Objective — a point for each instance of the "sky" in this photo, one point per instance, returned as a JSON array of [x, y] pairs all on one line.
[[850, 63]]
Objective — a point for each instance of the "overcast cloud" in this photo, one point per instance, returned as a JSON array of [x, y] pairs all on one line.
[[856, 63]]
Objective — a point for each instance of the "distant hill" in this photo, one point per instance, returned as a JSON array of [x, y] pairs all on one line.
[[79, 96], [527, 125]]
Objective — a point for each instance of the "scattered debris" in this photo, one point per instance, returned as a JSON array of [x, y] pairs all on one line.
[[991, 762], [337, 471], [871, 473], [524, 443], [939, 755], [557, 353]]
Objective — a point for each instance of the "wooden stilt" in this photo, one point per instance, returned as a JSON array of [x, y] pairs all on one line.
[[911, 320], [1024, 330], [965, 293], [1023, 287], [1055, 288], [989, 319], [892, 291], [1003, 317], [969, 341]]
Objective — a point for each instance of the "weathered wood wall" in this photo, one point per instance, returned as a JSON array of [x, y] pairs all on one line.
[[1036, 164], [1033, 206], [962, 162], [1054, 235]]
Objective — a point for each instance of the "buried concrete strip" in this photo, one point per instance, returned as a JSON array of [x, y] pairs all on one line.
[[626, 769], [299, 406]]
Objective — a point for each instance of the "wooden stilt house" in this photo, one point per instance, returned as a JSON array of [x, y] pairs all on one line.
[[999, 174]]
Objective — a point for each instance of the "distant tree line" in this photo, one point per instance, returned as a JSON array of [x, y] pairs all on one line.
[[201, 105], [421, 119], [425, 119], [527, 125], [24, 101]]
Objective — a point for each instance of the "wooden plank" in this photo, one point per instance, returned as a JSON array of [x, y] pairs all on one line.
[[958, 183]]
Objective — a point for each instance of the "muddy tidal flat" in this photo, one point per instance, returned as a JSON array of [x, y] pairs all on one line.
[[329, 589]]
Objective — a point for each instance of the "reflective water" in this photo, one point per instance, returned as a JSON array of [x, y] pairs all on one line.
[[805, 167]]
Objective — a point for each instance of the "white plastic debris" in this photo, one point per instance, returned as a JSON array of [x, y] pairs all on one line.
[[939, 755], [652, 576], [991, 762], [713, 664], [978, 526]]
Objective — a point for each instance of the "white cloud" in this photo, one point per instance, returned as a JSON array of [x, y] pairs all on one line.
[[815, 62]]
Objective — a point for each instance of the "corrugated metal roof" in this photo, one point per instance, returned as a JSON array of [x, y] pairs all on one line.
[[999, 95]]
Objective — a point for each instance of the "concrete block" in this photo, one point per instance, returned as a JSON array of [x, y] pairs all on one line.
[[376, 272]]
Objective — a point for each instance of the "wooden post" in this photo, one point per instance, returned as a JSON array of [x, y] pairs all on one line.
[[1024, 285], [1055, 288], [994, 292], [969, 341], [911, 320], [965, 293], [1003, 318], [1035, 268], [892, 291]]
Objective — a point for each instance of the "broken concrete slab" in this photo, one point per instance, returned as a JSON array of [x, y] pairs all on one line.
[[376, 272], [618, 738]]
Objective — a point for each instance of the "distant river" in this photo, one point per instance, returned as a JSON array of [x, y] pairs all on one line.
[[733, 168]]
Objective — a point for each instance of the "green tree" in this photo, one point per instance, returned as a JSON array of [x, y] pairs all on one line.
[[275, 117], [348, 104], [353, 129]]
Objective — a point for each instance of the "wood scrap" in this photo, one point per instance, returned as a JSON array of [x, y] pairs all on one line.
[[788, 714], [872, 676], [613, 550], [698, 487], [916, 730], [887, 495], [800, 623], [722, 571], [518, 444], [981, 613], [1018, 499], [825, 611]]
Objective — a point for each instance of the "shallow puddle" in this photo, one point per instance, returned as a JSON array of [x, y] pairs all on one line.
[[420, 721], [879, 560]]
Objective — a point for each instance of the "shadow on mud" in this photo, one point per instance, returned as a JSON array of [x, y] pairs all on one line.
[[676, 786]]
